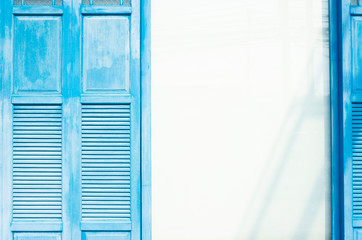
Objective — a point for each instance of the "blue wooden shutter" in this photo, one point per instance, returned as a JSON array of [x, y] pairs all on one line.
[[70, 115], [352, 120]]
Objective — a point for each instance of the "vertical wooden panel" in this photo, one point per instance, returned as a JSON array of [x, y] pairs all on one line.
[[6, 131], [347, 86], [71, 120], [37, 54], [106, 54], [146, 118]]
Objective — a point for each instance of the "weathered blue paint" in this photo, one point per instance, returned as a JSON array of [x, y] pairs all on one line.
[[104, 57], [2, 77], [45, 73], [6, 143], [40, 235], [38, 10], [146, 118], [82, 60], [106, 10], [336, 120], [346, 121], [350, 86]]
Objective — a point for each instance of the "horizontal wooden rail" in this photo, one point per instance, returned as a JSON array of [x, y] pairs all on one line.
[[106, 10], [106, 226], [37, 10], [117, 98], [36, 226], [36, 99]]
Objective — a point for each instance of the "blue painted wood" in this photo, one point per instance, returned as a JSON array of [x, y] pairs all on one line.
[[2, 60], [71, 119], [2, 77], [357, 223], [37, 162], [135, 91], [36, 236], [35, 226], [146, 118], [106, 10], [6, 162], [336, 120], [106, 226], [356, 10], [347, 51], [105, 57], [93, 152], [38, 10], [36, 99], [357, 234], [43, 42], [106, 235], [106, 162], [109, 98]]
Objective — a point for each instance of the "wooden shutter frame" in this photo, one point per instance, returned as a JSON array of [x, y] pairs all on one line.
[[145, 36], [145, 42]]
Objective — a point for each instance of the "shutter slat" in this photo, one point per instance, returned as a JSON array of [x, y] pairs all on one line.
[[106, 194], [106, 165], [101, 216], [105, 106], [110, 181], [103, 198], [37, 167], [107, 202], [96, 178], [44, 216], [105, 120]]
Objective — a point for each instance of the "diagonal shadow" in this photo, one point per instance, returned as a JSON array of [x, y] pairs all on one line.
[[303, 115]]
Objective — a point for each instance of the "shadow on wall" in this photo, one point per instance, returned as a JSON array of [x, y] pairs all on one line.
[[240, 120], [317, 199]]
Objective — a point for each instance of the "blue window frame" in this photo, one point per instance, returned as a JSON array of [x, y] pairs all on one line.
[[346, 98], [336, 117]]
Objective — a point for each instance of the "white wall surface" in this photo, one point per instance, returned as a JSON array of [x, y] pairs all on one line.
[[240, 120]]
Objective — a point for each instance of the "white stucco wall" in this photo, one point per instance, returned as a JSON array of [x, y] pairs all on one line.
[[240, 120]]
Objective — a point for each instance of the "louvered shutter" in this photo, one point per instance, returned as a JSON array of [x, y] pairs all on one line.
[[37, 163], [106, 165], [70, 108]]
